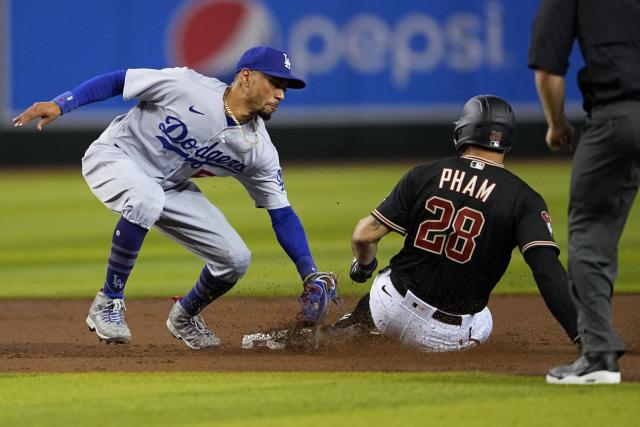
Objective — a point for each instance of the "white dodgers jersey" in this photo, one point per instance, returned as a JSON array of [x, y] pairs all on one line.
[[179, 130]]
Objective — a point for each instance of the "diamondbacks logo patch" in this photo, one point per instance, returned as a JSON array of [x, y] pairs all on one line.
[[495, 138], [547, 219]]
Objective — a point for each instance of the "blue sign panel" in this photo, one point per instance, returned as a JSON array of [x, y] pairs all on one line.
[[363, 60]]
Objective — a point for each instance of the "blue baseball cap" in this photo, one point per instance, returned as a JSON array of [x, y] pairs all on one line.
[[272, 62]]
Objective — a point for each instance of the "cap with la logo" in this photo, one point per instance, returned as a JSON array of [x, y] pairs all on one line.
[[272, 62]]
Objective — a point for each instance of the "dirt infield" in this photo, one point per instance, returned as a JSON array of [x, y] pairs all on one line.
[[50, 336]]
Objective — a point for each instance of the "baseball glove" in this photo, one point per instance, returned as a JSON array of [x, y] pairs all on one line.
[[361, 273], [319, 289]]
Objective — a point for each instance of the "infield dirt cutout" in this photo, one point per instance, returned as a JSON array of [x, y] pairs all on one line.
[[51, 336]]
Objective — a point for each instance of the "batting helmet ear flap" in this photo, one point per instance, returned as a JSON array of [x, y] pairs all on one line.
[[457, 130], [487, 121]]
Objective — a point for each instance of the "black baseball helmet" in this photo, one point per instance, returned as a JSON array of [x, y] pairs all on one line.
[[487, 121]]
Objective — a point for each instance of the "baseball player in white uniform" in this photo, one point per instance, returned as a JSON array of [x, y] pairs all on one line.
[[188, 125]]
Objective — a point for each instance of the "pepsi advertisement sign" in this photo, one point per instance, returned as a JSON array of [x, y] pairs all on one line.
[[364, 61]]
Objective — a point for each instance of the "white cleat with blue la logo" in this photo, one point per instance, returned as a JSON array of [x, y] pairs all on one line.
[[106, 319]]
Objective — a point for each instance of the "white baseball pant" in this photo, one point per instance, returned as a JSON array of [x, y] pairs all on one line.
[[415, 323]]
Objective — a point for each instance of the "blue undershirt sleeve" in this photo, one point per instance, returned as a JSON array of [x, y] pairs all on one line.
[[293, 239], [99, 88]]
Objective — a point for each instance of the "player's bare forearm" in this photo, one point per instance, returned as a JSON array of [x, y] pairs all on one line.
[[364, 252], [551, 90], [46, 111], [366, 236]]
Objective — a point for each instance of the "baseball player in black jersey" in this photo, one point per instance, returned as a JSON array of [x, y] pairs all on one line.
[[462, 218]]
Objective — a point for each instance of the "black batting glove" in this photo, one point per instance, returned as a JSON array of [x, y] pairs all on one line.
[[361, 273]]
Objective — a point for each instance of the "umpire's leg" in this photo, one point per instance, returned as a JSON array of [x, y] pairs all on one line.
[[604, 182]]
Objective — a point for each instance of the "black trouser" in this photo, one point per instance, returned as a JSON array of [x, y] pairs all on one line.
[[604, 182]]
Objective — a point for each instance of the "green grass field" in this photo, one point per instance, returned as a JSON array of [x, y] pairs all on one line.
[[55, 241], [56, 235], [309, 399]]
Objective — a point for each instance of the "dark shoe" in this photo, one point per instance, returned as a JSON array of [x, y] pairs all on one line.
[[591, 368], [346, 330]]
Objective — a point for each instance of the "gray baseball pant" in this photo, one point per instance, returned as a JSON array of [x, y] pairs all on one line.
[[181, 211], [604, 182]]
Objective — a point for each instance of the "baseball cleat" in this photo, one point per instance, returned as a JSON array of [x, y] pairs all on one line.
[[591, 368], [190, 329], [106, 319], [347, 329]]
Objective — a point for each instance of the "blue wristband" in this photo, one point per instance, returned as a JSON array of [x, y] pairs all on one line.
[[96, 89], [66, 101]]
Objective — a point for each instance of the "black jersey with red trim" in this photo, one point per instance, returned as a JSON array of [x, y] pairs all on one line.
[[462, 218]]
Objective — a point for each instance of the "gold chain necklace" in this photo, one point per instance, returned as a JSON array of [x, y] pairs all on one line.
[[254, 126]]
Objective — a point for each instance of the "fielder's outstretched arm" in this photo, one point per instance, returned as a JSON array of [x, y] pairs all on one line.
[[319, 288], [96, 89], [293, 239]]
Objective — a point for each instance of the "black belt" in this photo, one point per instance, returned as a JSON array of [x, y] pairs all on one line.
[[440, 316], [449, 319]]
